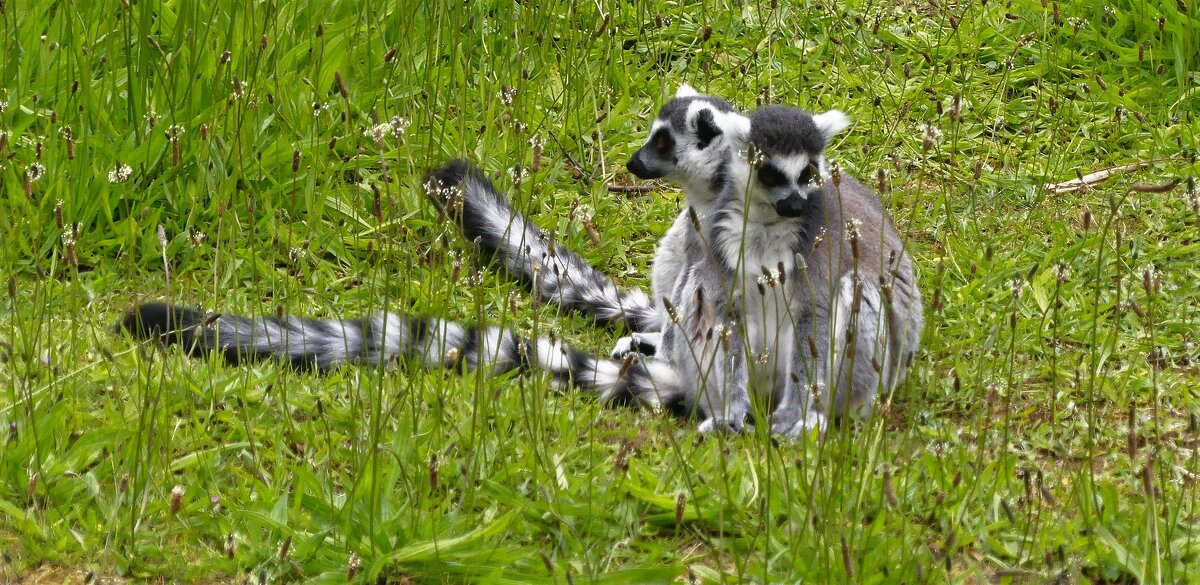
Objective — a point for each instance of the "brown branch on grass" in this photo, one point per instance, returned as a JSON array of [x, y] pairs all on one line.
[[1085, 181], [1156, 187], [635, 189]]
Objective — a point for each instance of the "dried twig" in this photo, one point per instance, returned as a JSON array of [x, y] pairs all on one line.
[[1155, 187], [1085, 181], [613, 188]]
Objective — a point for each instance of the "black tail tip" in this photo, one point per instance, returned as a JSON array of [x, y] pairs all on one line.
[[158, 321], [451, 173]]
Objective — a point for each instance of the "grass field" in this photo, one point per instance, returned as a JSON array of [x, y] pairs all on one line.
[[267, 157]]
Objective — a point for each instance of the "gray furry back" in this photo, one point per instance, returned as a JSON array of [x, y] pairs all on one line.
[[882, 258]]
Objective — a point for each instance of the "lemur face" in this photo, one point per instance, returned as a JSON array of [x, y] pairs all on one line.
[[791, 143], [689, 141], [788, 181]]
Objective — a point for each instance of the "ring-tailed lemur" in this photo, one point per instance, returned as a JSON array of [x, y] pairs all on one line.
[[794, 284], [686, 146], [820, 322], [687, 127], [718, 332], [523, 249]]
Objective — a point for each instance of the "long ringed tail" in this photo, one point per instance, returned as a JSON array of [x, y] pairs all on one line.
[[324, 344], [556, 273]]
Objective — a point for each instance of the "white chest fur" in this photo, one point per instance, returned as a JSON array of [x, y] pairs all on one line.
[[761, 299]]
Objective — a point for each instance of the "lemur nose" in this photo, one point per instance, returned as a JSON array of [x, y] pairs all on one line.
[[792, 205], [638, 167]]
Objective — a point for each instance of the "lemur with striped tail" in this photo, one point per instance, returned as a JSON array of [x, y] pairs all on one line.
[[687, 129], [715, 333], [749, 300], [792, 320], [687, 147], [795, 287]]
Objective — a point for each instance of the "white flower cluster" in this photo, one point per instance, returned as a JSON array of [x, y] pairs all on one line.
[[852, 228], [771, 277], [396, 126], [377, 133], [930, 136], [35, 171], [518, 174], [120, 174], [753, 155], [399, 126], [451, 196], [507, 95]]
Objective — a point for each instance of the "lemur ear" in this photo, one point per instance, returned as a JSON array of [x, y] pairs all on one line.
[[686, 90], [706, 128], [738, 127], [830, 123]]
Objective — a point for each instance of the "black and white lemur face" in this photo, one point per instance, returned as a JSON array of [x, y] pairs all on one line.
[[789, 144], [690, 143]]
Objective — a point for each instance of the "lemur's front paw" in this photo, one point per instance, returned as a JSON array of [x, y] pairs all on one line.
[[794, 422], [623, 347], [638, 343], [724, 426]]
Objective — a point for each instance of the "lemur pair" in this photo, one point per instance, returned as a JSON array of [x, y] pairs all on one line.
[[781, 279]]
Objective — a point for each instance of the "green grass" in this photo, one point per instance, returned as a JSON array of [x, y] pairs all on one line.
[[1048, 429]]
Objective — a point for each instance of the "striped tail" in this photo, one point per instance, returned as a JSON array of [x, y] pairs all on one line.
[[324, 344], [523, 249]]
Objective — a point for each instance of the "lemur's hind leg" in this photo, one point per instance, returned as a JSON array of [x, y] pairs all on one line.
[[796, 413], [724, 395], [798, 408], [709, 350], [859, 361]]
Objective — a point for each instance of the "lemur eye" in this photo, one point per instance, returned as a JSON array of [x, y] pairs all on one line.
[[770, 176], [662, 141], [806, 176]]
